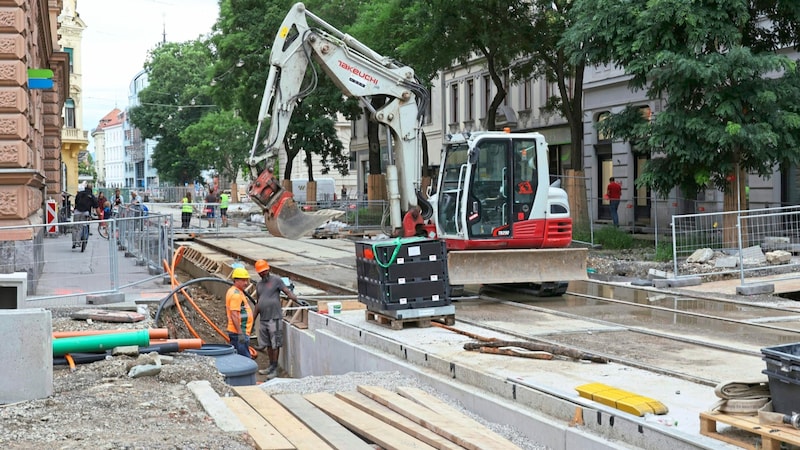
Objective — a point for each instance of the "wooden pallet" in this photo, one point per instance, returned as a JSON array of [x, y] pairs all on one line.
[[772, 436], [399, 324]]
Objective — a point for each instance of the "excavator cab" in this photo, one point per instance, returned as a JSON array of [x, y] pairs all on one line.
[[502, 221], [494, 193]]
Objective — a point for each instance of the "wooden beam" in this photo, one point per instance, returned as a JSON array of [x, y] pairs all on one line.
[[283, 421], [328, 429], [264, 435]]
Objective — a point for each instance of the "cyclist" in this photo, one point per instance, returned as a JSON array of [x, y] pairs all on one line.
[[85, 202]]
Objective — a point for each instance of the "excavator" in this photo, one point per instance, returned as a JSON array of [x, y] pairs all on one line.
[[502, 220]]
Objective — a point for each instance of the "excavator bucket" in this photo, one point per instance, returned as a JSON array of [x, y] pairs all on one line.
[[516, 266], [285, 219]]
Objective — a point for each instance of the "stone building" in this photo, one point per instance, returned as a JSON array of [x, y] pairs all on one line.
[[74, 139], [30, 129]]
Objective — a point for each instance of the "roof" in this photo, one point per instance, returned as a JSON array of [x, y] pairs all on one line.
[[115, 117]]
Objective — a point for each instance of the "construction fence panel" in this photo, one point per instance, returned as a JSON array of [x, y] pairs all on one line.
[[723, 235], [145, 236], [55, 270], [769, 242]]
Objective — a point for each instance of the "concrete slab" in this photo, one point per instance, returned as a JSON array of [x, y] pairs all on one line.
[[215, 407], [27, 355], [755, 289]]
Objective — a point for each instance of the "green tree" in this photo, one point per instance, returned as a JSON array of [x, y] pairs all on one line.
[[247, 31], [175, 98], [219, 141], [731, 101]]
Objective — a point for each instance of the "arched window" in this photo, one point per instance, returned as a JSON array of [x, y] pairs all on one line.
[[601, 117], [69, 113]]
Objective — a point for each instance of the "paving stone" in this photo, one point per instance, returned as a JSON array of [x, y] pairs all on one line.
[[756, 289]]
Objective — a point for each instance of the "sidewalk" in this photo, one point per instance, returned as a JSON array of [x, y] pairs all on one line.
[[70, 274]]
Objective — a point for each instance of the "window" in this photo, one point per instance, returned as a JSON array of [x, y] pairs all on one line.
[[526, 95], [429, 112], [600, 118], [487, 92], [68, 50], [454, 103], [470, 100], [69, 113]]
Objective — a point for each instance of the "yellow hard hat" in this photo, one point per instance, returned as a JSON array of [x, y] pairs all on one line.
[[240, 272], [261, 265]]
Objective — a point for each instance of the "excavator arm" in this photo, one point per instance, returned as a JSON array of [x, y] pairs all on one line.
[[358, 72]]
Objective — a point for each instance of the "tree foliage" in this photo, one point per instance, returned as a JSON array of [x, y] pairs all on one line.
[[175, 98], [247, 30], [219, 141], [731, 101]]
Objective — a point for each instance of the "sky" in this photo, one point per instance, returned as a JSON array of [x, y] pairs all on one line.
[[117, 38]]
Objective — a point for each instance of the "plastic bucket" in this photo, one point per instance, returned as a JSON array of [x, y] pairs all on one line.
[[334, 308]]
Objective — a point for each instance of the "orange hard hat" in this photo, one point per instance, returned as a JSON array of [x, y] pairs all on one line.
[[261, 265]]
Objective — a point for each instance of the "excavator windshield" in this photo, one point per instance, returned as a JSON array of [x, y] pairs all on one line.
[[485, 190]]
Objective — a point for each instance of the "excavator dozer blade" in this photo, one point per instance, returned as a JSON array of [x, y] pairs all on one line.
[[516, 265], [285, 219]]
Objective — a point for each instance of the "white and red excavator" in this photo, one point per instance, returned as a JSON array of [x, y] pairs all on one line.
[[494, 206]]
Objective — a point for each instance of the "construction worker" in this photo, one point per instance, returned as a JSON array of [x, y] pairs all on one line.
[[224, 199], [270, 315], [240, 315], [186, 210]]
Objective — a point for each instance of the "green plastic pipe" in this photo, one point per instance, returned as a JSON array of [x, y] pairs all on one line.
[[100, 342]]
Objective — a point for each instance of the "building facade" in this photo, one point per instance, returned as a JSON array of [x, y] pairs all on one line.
[[109, 147], [30, 130], [139, 171], [74, 139]]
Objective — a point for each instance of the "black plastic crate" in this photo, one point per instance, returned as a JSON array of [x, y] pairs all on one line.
[[394, 296], [431, 270], [785, 392], [403, 250], [783, 360]]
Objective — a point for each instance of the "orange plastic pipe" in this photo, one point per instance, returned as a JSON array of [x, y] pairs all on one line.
[[183, 344], [155, 333]]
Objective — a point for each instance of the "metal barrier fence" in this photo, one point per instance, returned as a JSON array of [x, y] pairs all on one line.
[[356, 214], [737, 238], [65, 272]]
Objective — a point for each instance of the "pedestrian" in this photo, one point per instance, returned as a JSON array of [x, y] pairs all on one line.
[[344, 193], [186, 210], [116, 199], [85, 202], [101, 202], [211, 198], [270, 315], [240, 314], [135, 201], [413, 223], [224, 199], [613, 194]]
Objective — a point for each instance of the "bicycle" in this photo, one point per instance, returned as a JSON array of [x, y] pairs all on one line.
[[64, 213], [102, 227], [80, 232]]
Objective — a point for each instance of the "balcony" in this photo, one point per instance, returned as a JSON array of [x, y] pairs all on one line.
[[74, 135]]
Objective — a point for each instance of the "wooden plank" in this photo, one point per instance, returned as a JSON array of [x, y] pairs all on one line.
[[771, 435], [104, 315], [328, 429], [264, 435], [347, 305], [450, 427], [283, 421], [385, 414], [363, 424]]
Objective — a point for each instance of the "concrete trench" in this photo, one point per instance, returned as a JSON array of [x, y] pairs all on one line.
[[333, 346]]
